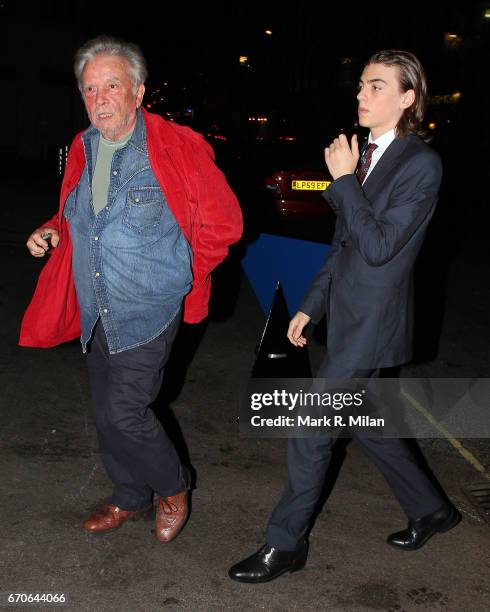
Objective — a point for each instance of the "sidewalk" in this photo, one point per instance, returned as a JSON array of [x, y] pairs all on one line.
[[52, 477]]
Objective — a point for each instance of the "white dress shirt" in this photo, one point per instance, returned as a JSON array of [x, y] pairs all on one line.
[[383, 143]]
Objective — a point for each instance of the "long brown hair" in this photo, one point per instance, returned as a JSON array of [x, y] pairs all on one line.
[[411, 76]]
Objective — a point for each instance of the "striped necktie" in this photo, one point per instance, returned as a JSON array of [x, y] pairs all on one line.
[[365, 162]]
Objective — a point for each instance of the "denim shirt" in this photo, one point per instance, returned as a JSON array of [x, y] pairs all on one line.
[[131, 262]]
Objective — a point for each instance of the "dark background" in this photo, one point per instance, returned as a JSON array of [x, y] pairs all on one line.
[[302, 78]]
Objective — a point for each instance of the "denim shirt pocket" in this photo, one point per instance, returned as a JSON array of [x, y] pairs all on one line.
[[143, 210]]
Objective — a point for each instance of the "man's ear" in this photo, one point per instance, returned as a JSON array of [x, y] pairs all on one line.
[[139, 95], [408, 98]]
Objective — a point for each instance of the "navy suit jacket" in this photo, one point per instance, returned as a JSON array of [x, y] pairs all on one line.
[[365, 286]]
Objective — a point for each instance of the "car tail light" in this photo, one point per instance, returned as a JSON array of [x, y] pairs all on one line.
[[271, 185]]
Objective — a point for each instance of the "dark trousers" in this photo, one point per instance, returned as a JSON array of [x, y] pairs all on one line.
[[308, 460], [137, 453]]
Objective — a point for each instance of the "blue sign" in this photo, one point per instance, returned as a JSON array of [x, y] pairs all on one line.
[[292, 262]]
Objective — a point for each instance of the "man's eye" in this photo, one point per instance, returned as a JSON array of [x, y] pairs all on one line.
[[113, 85]]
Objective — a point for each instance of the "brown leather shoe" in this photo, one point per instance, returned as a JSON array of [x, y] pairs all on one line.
[[172, 513], [111, 517]]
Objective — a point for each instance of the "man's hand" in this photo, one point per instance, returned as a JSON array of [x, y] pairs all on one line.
[[37, 245], [342, 159], [295, 329]]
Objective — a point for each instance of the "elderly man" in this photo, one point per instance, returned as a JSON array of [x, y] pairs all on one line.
[[144, 217]]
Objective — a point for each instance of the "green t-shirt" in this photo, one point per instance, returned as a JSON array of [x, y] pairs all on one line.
[[102, 173]]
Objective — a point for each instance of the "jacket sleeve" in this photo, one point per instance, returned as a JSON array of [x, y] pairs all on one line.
[[315, 299], [53, 223], [314, 302], [379, 238], [217, 225]]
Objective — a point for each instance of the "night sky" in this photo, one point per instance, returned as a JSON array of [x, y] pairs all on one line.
[[309, 66]]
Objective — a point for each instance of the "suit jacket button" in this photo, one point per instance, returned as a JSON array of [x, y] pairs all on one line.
[[343, 243]]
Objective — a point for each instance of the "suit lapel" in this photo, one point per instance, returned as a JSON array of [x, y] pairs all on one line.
[[388, 161]]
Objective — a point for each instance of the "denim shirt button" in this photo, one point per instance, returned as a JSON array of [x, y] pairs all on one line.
[[96, 237], [105, 310], [97, 274], [114, 172]]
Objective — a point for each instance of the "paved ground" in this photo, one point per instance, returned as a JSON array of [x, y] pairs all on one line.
[[52, 476]]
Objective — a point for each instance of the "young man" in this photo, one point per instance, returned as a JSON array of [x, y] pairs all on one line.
[[144, 217], [383, 206]]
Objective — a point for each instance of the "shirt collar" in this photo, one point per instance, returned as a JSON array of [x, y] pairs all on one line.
[[138, 139], [383, 141]]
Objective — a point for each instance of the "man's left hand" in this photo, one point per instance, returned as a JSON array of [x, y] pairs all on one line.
[[340, 157]]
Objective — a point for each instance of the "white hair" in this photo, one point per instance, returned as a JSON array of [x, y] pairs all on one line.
[[109, 45]]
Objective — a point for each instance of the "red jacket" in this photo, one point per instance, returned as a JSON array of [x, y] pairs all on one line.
[[199, 197]]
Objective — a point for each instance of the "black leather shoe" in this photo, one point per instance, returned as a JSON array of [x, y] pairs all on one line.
[[269, 563], [420, 530]]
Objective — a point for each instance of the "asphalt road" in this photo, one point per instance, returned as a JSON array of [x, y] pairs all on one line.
[[52, 476]]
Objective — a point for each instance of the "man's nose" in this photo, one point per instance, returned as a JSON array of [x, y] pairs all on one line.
[[100, 97]]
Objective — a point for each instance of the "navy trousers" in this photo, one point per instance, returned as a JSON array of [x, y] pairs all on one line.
[[308, 460], [137, 454]]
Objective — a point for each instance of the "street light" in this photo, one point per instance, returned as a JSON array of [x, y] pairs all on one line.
[[452, 40]]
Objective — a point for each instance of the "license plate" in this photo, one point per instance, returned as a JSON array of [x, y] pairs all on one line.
[[310, 185]]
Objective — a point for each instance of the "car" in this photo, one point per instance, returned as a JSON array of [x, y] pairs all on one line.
[[279, 182], [293, 192], [299, 193]]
